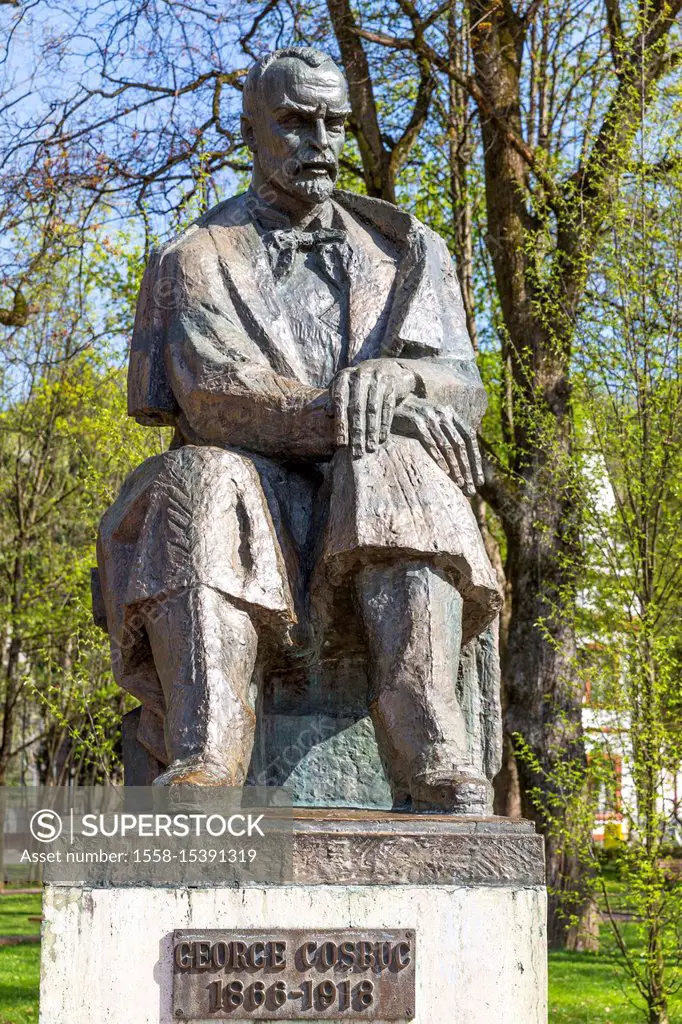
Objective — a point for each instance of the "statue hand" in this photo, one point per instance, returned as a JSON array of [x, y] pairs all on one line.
[[450, 441], [364, 400]]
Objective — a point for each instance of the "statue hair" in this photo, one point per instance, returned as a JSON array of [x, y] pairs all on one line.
[[308, 54]]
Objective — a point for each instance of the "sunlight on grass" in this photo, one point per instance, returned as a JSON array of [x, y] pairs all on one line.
[[19, 980], [585, 988], [20, 964]]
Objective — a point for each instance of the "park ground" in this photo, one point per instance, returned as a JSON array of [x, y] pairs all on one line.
[[585, 988]]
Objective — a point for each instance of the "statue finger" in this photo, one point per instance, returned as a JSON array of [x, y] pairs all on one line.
[[375, 405], [469, 435], [341, 398], [387, 413], [357, 413], [459, 449], [428, 441], [454, 468]]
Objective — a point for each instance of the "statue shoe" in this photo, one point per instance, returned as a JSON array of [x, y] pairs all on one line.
[[461, 790], [195, 771]]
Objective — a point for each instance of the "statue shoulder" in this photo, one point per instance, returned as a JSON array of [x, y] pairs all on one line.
[[400, 226], [232, 212], [384, 217]]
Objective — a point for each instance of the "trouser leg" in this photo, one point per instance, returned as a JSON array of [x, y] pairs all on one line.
[[204, 649], [412, 620]]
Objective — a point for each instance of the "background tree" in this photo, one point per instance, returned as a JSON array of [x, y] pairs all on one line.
[[65, 446], [628, 397], [560, 90], [632, 401]]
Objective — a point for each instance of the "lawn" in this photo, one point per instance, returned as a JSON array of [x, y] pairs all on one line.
[[588, 988], [591, 988], [584, 988], [19, 977], [19, 964]]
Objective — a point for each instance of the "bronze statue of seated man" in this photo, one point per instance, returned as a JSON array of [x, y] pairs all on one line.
[[309, 347]]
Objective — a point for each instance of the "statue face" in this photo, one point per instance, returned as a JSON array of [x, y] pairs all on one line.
[[299, 134]]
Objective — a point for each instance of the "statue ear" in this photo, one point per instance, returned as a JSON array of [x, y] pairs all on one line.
[[248, 134]]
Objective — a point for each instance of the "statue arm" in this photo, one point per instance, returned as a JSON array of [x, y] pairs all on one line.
[[435, 341], [448, 401], [445, 411], [258, 410], [427, 333]]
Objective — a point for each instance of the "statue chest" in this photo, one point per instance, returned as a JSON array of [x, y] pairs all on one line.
[[315, 299]]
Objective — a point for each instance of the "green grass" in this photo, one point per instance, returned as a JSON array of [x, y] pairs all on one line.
[[19, 965], [592, 988], [15, 910], [19, 979], [588, 988]]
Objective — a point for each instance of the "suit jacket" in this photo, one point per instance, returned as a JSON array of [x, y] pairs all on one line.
[[213, 354], [208, 319]]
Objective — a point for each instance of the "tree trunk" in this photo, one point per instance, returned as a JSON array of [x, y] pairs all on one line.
[[544, 699], [459, 159], [656, 996], [583, 936], [12, 671], [364, 121]]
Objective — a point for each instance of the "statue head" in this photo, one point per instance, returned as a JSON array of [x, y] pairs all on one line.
[[295, 105]]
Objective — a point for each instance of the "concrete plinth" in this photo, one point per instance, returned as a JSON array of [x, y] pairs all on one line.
[[472, 891]]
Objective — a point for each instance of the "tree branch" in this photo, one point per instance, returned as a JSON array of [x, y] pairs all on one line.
[[427, 84], [365, 120], [19, 314], [640, 70], [532, 159], [382, 163]]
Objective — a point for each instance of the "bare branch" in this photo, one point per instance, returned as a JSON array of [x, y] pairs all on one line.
[[468, 82]]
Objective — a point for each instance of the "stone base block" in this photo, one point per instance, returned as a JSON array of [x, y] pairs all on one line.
[[478, 916]]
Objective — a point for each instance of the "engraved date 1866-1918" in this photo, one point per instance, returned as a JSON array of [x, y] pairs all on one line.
[[320, 997]]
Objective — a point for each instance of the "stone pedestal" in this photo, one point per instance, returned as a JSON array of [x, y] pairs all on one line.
[[471, 890]]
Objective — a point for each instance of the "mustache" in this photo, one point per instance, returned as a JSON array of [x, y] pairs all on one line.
[[317, 165]]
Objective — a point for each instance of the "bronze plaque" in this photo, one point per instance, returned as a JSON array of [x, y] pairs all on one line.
[[296, 974]]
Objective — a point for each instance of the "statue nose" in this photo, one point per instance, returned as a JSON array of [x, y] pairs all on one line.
[[320, 138]]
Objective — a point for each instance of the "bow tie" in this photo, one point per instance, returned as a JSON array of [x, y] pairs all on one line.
[[282, 246]]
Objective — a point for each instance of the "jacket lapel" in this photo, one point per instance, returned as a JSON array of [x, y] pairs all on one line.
[[416, 313], [415, 309], [246, 268], [372, 273]]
